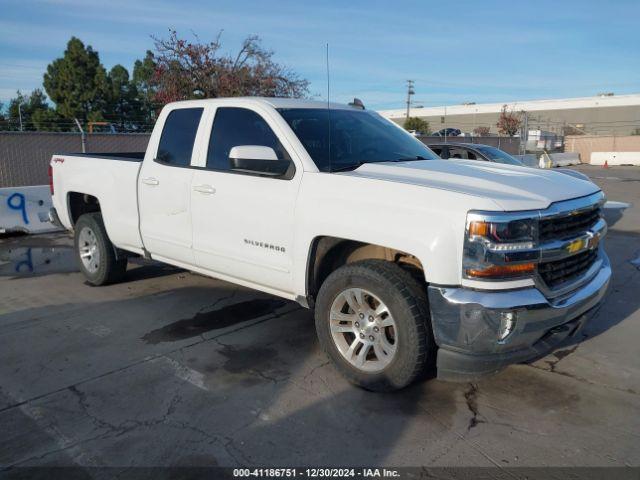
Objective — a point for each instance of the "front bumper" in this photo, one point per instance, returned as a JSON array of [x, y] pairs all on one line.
[[466, 323]]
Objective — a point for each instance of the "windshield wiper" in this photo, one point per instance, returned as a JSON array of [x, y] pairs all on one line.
[[408, 159]]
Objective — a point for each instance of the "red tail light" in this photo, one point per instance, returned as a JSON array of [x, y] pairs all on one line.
[[51, 179]]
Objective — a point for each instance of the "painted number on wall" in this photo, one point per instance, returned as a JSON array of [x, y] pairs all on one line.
[[17, 202]]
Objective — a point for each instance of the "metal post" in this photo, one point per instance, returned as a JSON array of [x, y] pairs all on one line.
[[20, 114], [525, 134], [82, 136]]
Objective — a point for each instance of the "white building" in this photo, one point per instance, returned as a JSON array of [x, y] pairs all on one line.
[[601, 114]]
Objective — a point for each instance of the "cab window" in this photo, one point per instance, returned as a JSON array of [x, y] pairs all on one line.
[[233, 127], [178, 135]]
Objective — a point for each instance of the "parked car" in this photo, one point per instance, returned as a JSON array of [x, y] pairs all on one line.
[[448, 132], [488, 153], [409, 261]]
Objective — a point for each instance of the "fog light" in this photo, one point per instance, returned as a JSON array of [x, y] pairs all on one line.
[[507, 324]]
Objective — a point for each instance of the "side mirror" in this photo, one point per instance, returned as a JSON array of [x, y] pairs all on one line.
[[257, 160]]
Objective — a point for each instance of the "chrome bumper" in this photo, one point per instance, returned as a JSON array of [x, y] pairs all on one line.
[[466, 323]]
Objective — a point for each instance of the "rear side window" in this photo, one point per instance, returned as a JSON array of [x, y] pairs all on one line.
[[233, 127], [458, 153], [178, 135]]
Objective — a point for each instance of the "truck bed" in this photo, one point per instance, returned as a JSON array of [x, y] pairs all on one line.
[[111, 178]]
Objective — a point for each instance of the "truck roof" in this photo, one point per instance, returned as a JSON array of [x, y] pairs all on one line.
[[275, 102]]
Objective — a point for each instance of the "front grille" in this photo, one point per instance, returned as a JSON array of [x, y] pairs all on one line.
[[560, 271], [568, 226]]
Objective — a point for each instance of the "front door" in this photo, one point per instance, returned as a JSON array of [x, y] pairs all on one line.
[[243, 223], [164, 187]]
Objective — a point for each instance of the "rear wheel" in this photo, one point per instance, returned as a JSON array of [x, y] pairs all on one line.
[[372, 320], [96, 254]]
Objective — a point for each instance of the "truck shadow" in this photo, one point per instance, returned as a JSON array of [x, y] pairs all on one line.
[[206, 321], [140, 269]]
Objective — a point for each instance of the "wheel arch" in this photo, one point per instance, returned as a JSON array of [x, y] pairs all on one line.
[[79, 203], [328, 253]]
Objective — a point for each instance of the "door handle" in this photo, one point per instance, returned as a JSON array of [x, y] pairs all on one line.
[[205, 189], [150, 181]]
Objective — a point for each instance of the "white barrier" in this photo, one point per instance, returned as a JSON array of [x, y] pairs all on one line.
[[25, 209], [615, 158], [561, 159]]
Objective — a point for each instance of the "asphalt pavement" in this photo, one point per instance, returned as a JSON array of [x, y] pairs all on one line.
[[172, 368]]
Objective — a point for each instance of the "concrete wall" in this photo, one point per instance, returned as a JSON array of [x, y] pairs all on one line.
[[24, 156], [25, 209], [585, 145], [615, 158]]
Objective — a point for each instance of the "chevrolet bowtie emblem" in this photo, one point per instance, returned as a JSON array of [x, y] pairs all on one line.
[[590, 241]]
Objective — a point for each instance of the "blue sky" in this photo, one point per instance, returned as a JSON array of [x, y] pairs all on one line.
[[456, 51]]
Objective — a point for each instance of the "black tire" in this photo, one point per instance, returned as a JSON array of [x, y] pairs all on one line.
[[408, 304], [109, 269]]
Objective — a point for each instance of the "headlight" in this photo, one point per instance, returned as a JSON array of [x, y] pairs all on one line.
[[499, 247], [514, 233]]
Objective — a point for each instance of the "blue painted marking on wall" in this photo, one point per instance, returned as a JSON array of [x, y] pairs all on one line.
[[21, 205]]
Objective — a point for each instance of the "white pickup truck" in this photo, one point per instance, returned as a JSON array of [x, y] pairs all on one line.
[[410, 262]]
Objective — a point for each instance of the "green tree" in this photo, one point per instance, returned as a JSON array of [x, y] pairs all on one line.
[[122, 99], [143, 76], [35, 112], [3, 120], [418, 124], [78, 83]]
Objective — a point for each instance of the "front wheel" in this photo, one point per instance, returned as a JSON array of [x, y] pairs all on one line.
[[372, 319], [96, 254]]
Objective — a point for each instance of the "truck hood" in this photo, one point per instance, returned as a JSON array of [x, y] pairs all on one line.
[[511, 187]]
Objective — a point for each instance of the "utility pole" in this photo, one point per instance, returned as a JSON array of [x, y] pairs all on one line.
[[410, 91], [445, 124], [20, 114]]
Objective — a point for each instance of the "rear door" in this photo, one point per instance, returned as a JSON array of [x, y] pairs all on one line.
[[243, 223], [164, 188]]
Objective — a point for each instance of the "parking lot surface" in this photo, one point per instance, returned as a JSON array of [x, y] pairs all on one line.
[[172, 368]]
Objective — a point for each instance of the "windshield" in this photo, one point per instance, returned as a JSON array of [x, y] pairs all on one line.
[[351, 138], [499, 156]]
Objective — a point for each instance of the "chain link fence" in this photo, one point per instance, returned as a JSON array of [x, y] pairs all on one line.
[[24, 156]]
